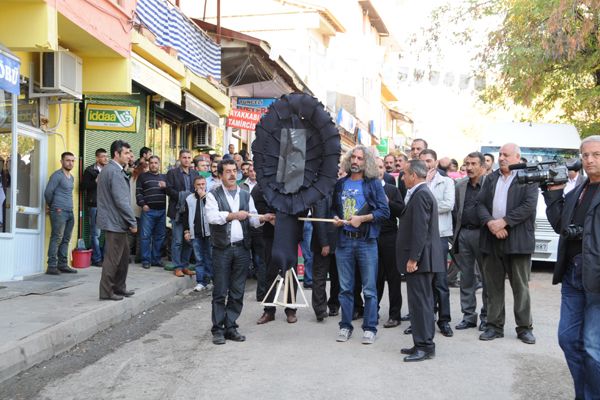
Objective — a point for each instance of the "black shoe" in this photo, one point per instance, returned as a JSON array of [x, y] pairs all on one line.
[[526, 337], [454, 284], [333, 312], [408, 331], [408, 351], [52, 271], [445, 329], [405, 318], [67, 270], [490, 334], [391, 323], [420, 355], [127, 293], [97, 264], [218, 339], [235, 336], [322, 316], [146, 266], [482, 326], [465, 325], [159, 264], [112, 297], [307, 285]]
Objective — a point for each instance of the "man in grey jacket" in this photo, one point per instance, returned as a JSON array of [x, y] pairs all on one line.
[[115, 218]]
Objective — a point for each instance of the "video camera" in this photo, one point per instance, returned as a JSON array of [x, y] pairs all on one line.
[[545, 173]]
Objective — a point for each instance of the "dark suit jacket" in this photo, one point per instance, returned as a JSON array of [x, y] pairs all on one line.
[[560, 213], [521, 205], [387, 178], [401, 185], [396, 204], [175, 184], [460, 188], [419, 235], [324, 233]]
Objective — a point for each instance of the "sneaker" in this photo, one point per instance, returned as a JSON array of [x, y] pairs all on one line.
[[146, 265], [368, 337], [199, 287], [343, 335], [209, 286]]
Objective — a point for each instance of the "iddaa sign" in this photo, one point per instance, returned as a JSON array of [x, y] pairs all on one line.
[[111, 118]]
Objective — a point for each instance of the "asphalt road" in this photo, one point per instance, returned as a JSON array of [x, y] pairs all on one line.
[[166, 353]]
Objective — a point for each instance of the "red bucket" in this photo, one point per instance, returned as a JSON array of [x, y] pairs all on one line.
[[82, 258]]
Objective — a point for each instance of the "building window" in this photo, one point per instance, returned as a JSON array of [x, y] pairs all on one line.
[[6, 144]]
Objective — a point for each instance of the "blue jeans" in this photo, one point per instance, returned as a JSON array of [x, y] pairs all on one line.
[[95, 237], [203, 256], [180, 248], [362, 252], [62, 227], [307, 253], [579, 332], [153, 231]]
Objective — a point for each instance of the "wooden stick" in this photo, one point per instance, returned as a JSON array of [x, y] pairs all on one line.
[[311, 219]]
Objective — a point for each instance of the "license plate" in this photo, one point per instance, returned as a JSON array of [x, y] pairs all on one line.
[[541, 246]]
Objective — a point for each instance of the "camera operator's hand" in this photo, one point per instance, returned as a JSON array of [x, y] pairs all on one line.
[[496, 225], [556, 187]]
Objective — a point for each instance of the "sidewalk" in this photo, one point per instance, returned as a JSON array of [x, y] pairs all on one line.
[[45, 315]]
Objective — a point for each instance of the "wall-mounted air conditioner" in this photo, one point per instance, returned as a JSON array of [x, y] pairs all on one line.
[[204, 135], [61, 72]]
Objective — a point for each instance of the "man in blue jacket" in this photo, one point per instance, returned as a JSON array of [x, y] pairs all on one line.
[[359, 207]]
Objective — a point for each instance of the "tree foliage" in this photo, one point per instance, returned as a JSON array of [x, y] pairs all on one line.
[[544, 54]]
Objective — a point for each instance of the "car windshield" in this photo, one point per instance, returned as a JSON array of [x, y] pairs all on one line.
[[537, 154]]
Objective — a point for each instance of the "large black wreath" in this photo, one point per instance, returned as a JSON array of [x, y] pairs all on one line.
[[296, 154]]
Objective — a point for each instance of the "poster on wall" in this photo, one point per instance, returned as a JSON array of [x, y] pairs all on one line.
[[103, 117]]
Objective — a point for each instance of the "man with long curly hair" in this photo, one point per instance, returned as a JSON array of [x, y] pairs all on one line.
[[359, 207]]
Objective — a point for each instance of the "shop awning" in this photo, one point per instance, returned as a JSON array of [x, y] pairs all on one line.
[[201, 110], [154, 79]]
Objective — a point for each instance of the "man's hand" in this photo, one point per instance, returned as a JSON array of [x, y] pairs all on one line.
[[501, 234], [430, 174], [338, 222], [325, 251], [268, 217], [355, 220], [146, 208], [411, 266], [162, 184], [201, 193], [133, 229], [496, 225], [241, 215], [187, 236]]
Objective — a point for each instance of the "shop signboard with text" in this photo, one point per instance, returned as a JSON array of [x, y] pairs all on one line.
[[111, 118], [243, 119], [9, 74], [258, 104]]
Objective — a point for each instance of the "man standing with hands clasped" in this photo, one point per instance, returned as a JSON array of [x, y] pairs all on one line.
[[228, 211], [115, 218], [419, 257]]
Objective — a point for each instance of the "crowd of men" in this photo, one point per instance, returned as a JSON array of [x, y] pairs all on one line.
[[395, 218]]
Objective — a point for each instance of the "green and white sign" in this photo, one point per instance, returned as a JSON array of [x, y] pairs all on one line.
[[103, 117]]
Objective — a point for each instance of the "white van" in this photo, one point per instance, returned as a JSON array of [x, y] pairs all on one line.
[[538, 142]]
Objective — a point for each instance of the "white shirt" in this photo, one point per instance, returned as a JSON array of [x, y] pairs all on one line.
[[216, 217], [501, 195], [410, 191], [571, 183], [250, 184]]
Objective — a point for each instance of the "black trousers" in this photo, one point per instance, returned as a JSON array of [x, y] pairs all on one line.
[[388, 271], [258, 261], [230, 267], [441, 292], [321, 267], [115, 264], [272, 272], [419, 290]]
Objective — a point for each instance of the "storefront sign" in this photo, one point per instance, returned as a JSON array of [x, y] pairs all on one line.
[[382, 147], [258, 104], [243, 119], [111, 118], [9, 74], [346, 120]]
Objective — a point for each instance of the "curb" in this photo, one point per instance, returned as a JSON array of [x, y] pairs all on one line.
[[18, 356]]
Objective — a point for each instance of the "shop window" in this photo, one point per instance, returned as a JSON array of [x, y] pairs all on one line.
[[6, 142], [28, 110], [28, 181]]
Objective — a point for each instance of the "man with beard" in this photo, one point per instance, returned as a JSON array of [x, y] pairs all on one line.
[[213, 179]]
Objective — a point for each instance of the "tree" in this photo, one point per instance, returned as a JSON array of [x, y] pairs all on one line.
[[543, 54]]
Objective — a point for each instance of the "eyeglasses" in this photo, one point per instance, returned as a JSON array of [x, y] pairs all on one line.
[[595, 155]]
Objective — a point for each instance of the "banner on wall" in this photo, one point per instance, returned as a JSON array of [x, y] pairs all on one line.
[[9, 74], [102, 117]]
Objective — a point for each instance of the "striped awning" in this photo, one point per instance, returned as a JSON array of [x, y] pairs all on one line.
[[172, 28]]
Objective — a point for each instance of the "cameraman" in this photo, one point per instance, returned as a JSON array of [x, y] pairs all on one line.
[[576, 217]]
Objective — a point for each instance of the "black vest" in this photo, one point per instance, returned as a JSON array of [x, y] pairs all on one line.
[[220, 235]]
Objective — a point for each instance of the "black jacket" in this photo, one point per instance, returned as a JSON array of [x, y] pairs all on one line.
[[176, 184], [88, 183], [324, 233], [419, 239], [521, 205], [396, 204], [387, 178], [263, 208], [560, 214], [401, 185]]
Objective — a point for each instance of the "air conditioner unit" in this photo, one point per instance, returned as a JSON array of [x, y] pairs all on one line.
[[204, 135], [61, 73]]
